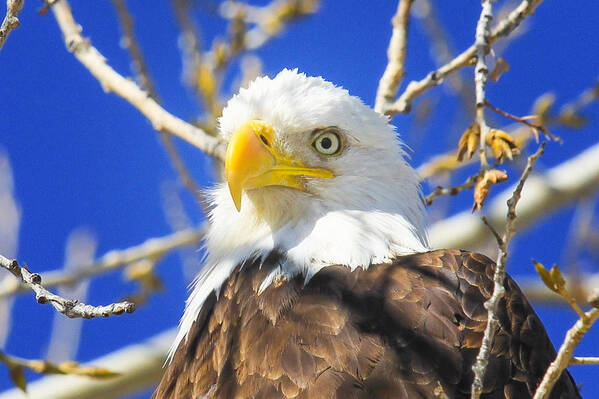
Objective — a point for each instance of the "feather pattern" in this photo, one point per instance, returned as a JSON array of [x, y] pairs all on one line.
[[396, 330]]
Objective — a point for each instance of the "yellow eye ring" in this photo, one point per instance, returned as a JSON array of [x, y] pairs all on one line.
[[328, 143]]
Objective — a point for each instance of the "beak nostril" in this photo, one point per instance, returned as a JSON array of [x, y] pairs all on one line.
[[264, 140]]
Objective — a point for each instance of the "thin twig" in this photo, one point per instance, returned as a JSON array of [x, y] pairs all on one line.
[[482, 359], [10, 22], [150, 249], [524, 121], [69, 308], [498, 238], [583, 360], [454, 190], [416, 88], [565, 353], [110, 80], [396, 54]]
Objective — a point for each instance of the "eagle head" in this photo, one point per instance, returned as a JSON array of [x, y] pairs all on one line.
[[302, 149], [313, 173]]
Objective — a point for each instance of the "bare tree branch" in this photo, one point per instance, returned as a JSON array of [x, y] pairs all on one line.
[[10, 22], [151, 248], [396, 54], [481, 71], [482, 359], [565, 353], [127, 89], [69, 308], [455, 190], [416, 88]]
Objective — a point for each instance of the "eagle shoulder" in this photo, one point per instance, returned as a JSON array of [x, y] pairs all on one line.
[[403, 329]]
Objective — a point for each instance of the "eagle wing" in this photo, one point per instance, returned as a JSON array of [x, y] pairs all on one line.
[[406, 329]]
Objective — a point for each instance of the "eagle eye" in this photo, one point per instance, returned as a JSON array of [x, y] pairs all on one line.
[[328, 142]]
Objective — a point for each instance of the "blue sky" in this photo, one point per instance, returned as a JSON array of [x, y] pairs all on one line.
[[84, 158]]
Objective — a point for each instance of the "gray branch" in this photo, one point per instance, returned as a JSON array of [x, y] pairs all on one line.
[[10, 22], [482, 359], [70, 308], [417, 87], [112, 81]]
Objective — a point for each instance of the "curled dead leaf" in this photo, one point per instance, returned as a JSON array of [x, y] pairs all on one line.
[[469, 141], [502, 144], [483, 186]]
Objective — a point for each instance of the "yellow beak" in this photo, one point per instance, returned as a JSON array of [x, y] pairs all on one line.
[[252, 161]]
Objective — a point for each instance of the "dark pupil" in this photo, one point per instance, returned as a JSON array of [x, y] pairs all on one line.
[[326, 143]]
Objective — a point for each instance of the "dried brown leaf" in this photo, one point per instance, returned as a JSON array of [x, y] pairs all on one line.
[[502, 144], [469, 141], [501, 67], [483, 186]]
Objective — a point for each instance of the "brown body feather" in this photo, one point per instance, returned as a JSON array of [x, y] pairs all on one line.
[[400, 330]]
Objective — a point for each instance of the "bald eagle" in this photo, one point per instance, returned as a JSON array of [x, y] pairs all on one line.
[[319, 281]]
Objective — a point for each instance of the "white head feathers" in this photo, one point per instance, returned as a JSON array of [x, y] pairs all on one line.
[[370, 212]]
